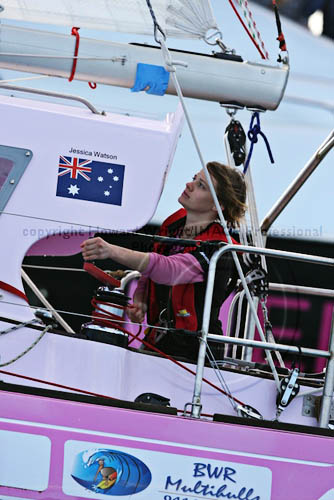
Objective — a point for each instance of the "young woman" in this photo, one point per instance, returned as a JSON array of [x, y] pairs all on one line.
[[172, 287]]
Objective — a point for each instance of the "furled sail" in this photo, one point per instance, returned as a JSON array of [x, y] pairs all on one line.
[[178, 18]]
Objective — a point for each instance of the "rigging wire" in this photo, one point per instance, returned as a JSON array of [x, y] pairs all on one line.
[[220, 377], [23, 79], [54, 268], [52, 56]]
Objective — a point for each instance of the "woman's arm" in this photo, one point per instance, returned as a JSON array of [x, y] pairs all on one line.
[[167, 270], [97, 248], [175, 269]]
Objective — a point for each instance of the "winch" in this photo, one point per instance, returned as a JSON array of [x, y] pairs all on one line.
[[109, 303]]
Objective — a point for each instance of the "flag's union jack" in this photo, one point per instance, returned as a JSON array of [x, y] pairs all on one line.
[[105, 180], [74, 167]]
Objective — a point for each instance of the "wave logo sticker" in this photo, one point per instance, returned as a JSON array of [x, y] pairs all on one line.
[[110, 472]]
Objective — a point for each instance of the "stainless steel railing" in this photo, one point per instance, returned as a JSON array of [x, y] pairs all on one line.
[[312, 259]]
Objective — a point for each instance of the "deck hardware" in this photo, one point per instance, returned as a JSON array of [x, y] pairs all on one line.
[[247, 411], [289, 389]]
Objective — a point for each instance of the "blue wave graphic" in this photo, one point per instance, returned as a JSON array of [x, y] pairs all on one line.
[[110, 472]]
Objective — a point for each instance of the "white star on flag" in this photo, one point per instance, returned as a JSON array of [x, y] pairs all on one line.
[[73, 190], [115, 178], [100, 179], [106, 193], [110, 170]]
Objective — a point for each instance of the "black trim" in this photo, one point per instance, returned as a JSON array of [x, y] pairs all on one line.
[[215, 55], [82, 398], [273, 425]]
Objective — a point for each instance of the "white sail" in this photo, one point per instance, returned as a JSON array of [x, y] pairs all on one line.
[[178, 18]]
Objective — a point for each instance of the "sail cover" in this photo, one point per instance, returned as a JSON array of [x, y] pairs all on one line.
[[178, 18]]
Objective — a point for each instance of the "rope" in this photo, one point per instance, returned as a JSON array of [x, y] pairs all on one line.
[[20, 325], [75, 32], [75, 389], [13, 290], [254, 131], [136, 337], [152, 347], [147, 344], [247, 30], [61, 386], [252, 24], [219, 210], [171, 68], [280, 38], [157, 26], [46, 329]]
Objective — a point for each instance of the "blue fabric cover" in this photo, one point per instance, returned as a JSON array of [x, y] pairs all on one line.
[[152, 76]]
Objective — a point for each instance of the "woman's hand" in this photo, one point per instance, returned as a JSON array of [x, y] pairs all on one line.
[[96, 248], [137, 312]]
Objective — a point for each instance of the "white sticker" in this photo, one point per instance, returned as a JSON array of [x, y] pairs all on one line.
[[94, 470], [328, 496], [24, 460], [2, 497]]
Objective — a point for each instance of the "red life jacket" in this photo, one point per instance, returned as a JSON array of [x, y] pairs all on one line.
[[181, 297]]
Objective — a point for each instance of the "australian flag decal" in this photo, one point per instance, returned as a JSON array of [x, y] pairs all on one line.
[[90, 180]]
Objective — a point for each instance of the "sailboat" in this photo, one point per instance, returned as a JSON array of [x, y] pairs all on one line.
[[85, 414]]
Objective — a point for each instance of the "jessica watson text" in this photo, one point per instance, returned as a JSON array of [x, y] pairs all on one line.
[[96, 154]]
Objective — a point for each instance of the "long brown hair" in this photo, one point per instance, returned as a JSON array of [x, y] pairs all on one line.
[[230, 190]]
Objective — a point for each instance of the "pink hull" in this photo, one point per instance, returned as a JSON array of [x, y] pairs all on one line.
[[51, 449]]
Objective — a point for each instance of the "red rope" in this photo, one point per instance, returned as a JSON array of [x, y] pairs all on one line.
[[74, 389], [247, 30], [13, 290], [75, 33], [57, 385], [280, 38], [111, 321], [137, 335], [105, 315]]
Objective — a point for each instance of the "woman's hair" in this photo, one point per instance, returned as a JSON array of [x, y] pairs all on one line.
[[230, 190]]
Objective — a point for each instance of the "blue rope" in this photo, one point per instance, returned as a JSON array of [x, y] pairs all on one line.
[[254, 131]]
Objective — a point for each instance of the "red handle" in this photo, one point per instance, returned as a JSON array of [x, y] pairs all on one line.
[[100, 275]]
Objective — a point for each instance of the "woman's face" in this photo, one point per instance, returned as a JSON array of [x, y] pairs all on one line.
[[197, 196]]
